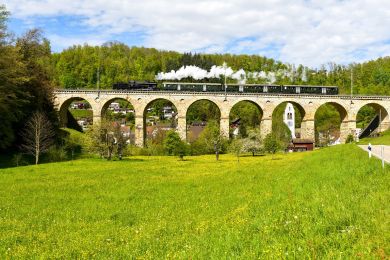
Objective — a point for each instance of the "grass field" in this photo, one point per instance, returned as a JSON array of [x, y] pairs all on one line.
[[383, 139], [81, 113], [327, 204]]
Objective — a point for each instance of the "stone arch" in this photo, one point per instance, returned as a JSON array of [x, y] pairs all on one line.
[[346, 127], [122, 113], [381, 112], [109, 101], [163, 120], [63, 109], [302, 130], [193, 125], [256, 123]]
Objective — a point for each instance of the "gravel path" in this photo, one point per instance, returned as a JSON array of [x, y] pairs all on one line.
[[376, 151]]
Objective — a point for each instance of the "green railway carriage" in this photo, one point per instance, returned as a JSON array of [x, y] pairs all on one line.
[[229, 88]]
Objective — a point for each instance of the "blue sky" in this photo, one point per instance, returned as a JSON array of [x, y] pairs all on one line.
[[307, 32]]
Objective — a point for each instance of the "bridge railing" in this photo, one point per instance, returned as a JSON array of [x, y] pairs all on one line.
[[153, 92]]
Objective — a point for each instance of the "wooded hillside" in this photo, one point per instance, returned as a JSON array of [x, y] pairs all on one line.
[[77, 67]]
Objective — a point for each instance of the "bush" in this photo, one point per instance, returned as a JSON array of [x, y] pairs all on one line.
[[56, 154], [18, 160], [349, 139], [152, 149], [131, 150]]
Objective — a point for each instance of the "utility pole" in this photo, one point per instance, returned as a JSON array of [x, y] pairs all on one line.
[[380, 120], [224, 66], [98, 76], [351, 83]]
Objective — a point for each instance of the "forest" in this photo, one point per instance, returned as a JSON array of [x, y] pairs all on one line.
[[78, 67]]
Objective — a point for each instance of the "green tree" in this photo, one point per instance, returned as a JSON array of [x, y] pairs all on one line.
[[210, 141], [237, 146], [171, 141], [253, 142], [271, 144], [12, 75]]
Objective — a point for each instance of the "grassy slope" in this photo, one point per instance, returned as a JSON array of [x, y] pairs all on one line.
[[383, 139], [81, 113], [331, 203]]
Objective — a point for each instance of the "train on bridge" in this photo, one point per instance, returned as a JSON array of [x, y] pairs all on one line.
[[228, 88]]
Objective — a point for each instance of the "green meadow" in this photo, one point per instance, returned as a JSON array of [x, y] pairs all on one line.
[[332, 203], [383, 139]]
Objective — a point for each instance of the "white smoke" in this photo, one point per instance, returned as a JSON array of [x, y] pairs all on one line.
[[198, 73], [241, 76]]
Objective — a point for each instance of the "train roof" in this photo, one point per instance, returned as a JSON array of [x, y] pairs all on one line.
[[231, 84], [191, 83]]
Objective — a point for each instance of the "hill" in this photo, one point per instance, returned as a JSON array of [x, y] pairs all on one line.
[[77, 66], [330, 203]]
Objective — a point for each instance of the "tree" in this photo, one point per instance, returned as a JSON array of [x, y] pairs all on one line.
[[181, 149], [236, 147], [173, 145], [38, 135], [271, 144], [253, 143], [12, 74], [106, 139], [171, 141], [214, 139]]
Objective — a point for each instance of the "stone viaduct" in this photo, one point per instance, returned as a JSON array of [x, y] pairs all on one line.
[[307, 104]]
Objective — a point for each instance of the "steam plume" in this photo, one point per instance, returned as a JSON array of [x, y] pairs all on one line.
[[217, 71]]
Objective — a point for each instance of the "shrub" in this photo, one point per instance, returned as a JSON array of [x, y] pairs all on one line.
[[18, 160], [56, 154], [349, 139]]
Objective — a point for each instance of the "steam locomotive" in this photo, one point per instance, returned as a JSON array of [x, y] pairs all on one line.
[[135, 85], [230, 88]]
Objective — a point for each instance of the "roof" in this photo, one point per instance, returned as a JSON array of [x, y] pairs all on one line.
[[302, 141]]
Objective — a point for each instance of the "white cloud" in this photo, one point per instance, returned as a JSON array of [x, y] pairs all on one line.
[[65, 42], [309, 32]]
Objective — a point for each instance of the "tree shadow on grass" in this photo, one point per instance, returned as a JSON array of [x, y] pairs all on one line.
[[249, 155], [127, 159]]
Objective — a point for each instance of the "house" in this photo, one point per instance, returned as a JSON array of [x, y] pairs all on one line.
[[168, 112], [114, 106], [235, 126], [301, 145]]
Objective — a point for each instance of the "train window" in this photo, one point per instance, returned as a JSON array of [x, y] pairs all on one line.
[[233, 88], [253, 88], [274, 89]]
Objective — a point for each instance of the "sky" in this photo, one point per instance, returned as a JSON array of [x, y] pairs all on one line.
[[305, 32]]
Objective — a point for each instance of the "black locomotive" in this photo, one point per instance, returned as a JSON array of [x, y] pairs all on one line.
[[230, 88], [135, 85]]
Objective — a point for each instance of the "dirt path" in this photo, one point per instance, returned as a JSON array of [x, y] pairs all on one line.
[[376, 151]]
